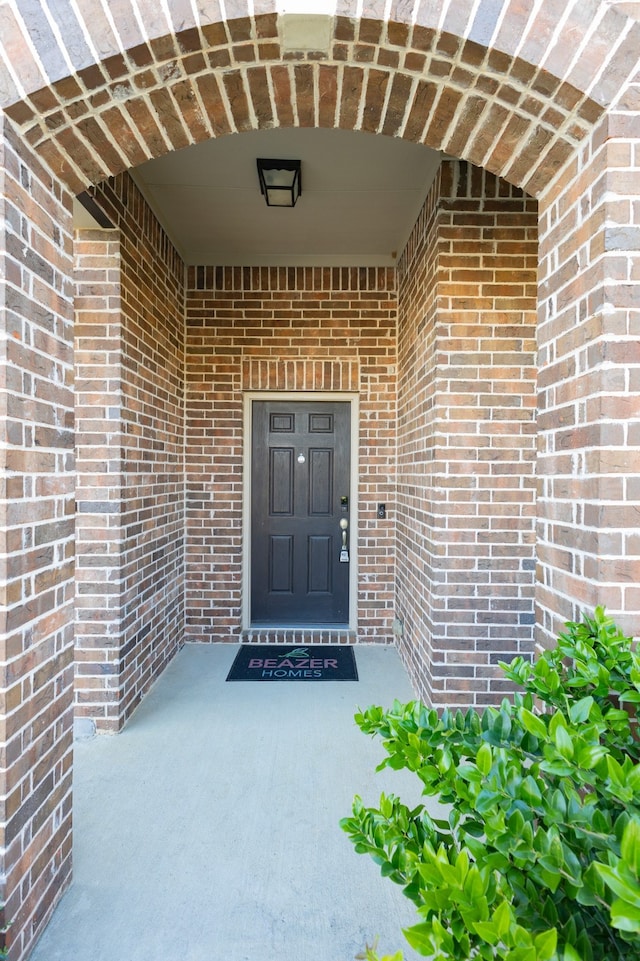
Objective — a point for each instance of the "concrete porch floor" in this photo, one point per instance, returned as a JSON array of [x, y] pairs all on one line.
[[208, 829]]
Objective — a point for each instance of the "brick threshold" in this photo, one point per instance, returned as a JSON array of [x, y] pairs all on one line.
[[298, 635]]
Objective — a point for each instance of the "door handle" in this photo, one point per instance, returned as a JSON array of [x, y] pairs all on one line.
[[344, 524], [344, 550]]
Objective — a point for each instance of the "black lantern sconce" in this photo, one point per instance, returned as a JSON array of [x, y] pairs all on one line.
[[280, 182]]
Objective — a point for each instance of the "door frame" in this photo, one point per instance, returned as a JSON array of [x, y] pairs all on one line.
[[294, 396]]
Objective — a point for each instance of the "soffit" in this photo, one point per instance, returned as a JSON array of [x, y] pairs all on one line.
[[361, 195]]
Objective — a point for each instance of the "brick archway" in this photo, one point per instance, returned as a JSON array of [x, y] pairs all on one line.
[[499, 92], [545, 102]]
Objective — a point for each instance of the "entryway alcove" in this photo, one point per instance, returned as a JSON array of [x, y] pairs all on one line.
[[438, 346]]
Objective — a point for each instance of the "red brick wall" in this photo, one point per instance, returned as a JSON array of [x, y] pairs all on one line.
[[99, 535], [417, 419], [311, 329], [588, 324], [36, 538], [130, 436], [467, 435]]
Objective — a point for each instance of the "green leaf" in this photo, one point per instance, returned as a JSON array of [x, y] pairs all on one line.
[[474, 828], [545, 945], [623, 888], [486, 801], [469, 772], [579, 711], [420, 937], [615, 772], [443, 760], [475, 886], [563, 743], [553, 681], [530, 791], [570, 954], [624, 916], [559, 768], [516, 825], [484, 758], [593, 889], [557, 720], [633, 779], [502, 918], [630, 846], [533, 724], [487, 931], [521, 954], [557, 803], [501, 728], [588, 755]]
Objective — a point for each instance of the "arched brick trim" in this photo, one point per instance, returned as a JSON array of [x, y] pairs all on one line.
[[502, 92], [52, 43]]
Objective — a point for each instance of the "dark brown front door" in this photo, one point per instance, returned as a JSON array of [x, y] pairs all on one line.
[[299, 494]]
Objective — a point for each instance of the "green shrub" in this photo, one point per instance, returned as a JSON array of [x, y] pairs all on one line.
[[539, 859]]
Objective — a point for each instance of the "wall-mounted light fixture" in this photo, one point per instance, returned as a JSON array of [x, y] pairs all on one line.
[[280, 181]]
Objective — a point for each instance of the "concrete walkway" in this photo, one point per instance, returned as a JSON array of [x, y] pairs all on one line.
[[208, 829]]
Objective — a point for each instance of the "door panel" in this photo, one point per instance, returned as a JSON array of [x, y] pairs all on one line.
[[320, 482], [319, 563], [280, 564], [280, 482], [299, 494]]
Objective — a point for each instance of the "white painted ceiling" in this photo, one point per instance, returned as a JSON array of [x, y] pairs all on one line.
[[361, 194]]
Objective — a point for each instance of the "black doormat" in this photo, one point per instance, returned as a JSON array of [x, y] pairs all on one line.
[[263, 662]]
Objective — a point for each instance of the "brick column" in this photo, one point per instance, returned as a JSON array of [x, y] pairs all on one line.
[[589, 319], [130, 437], [466, 444], [99, 531], [36, 539]]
